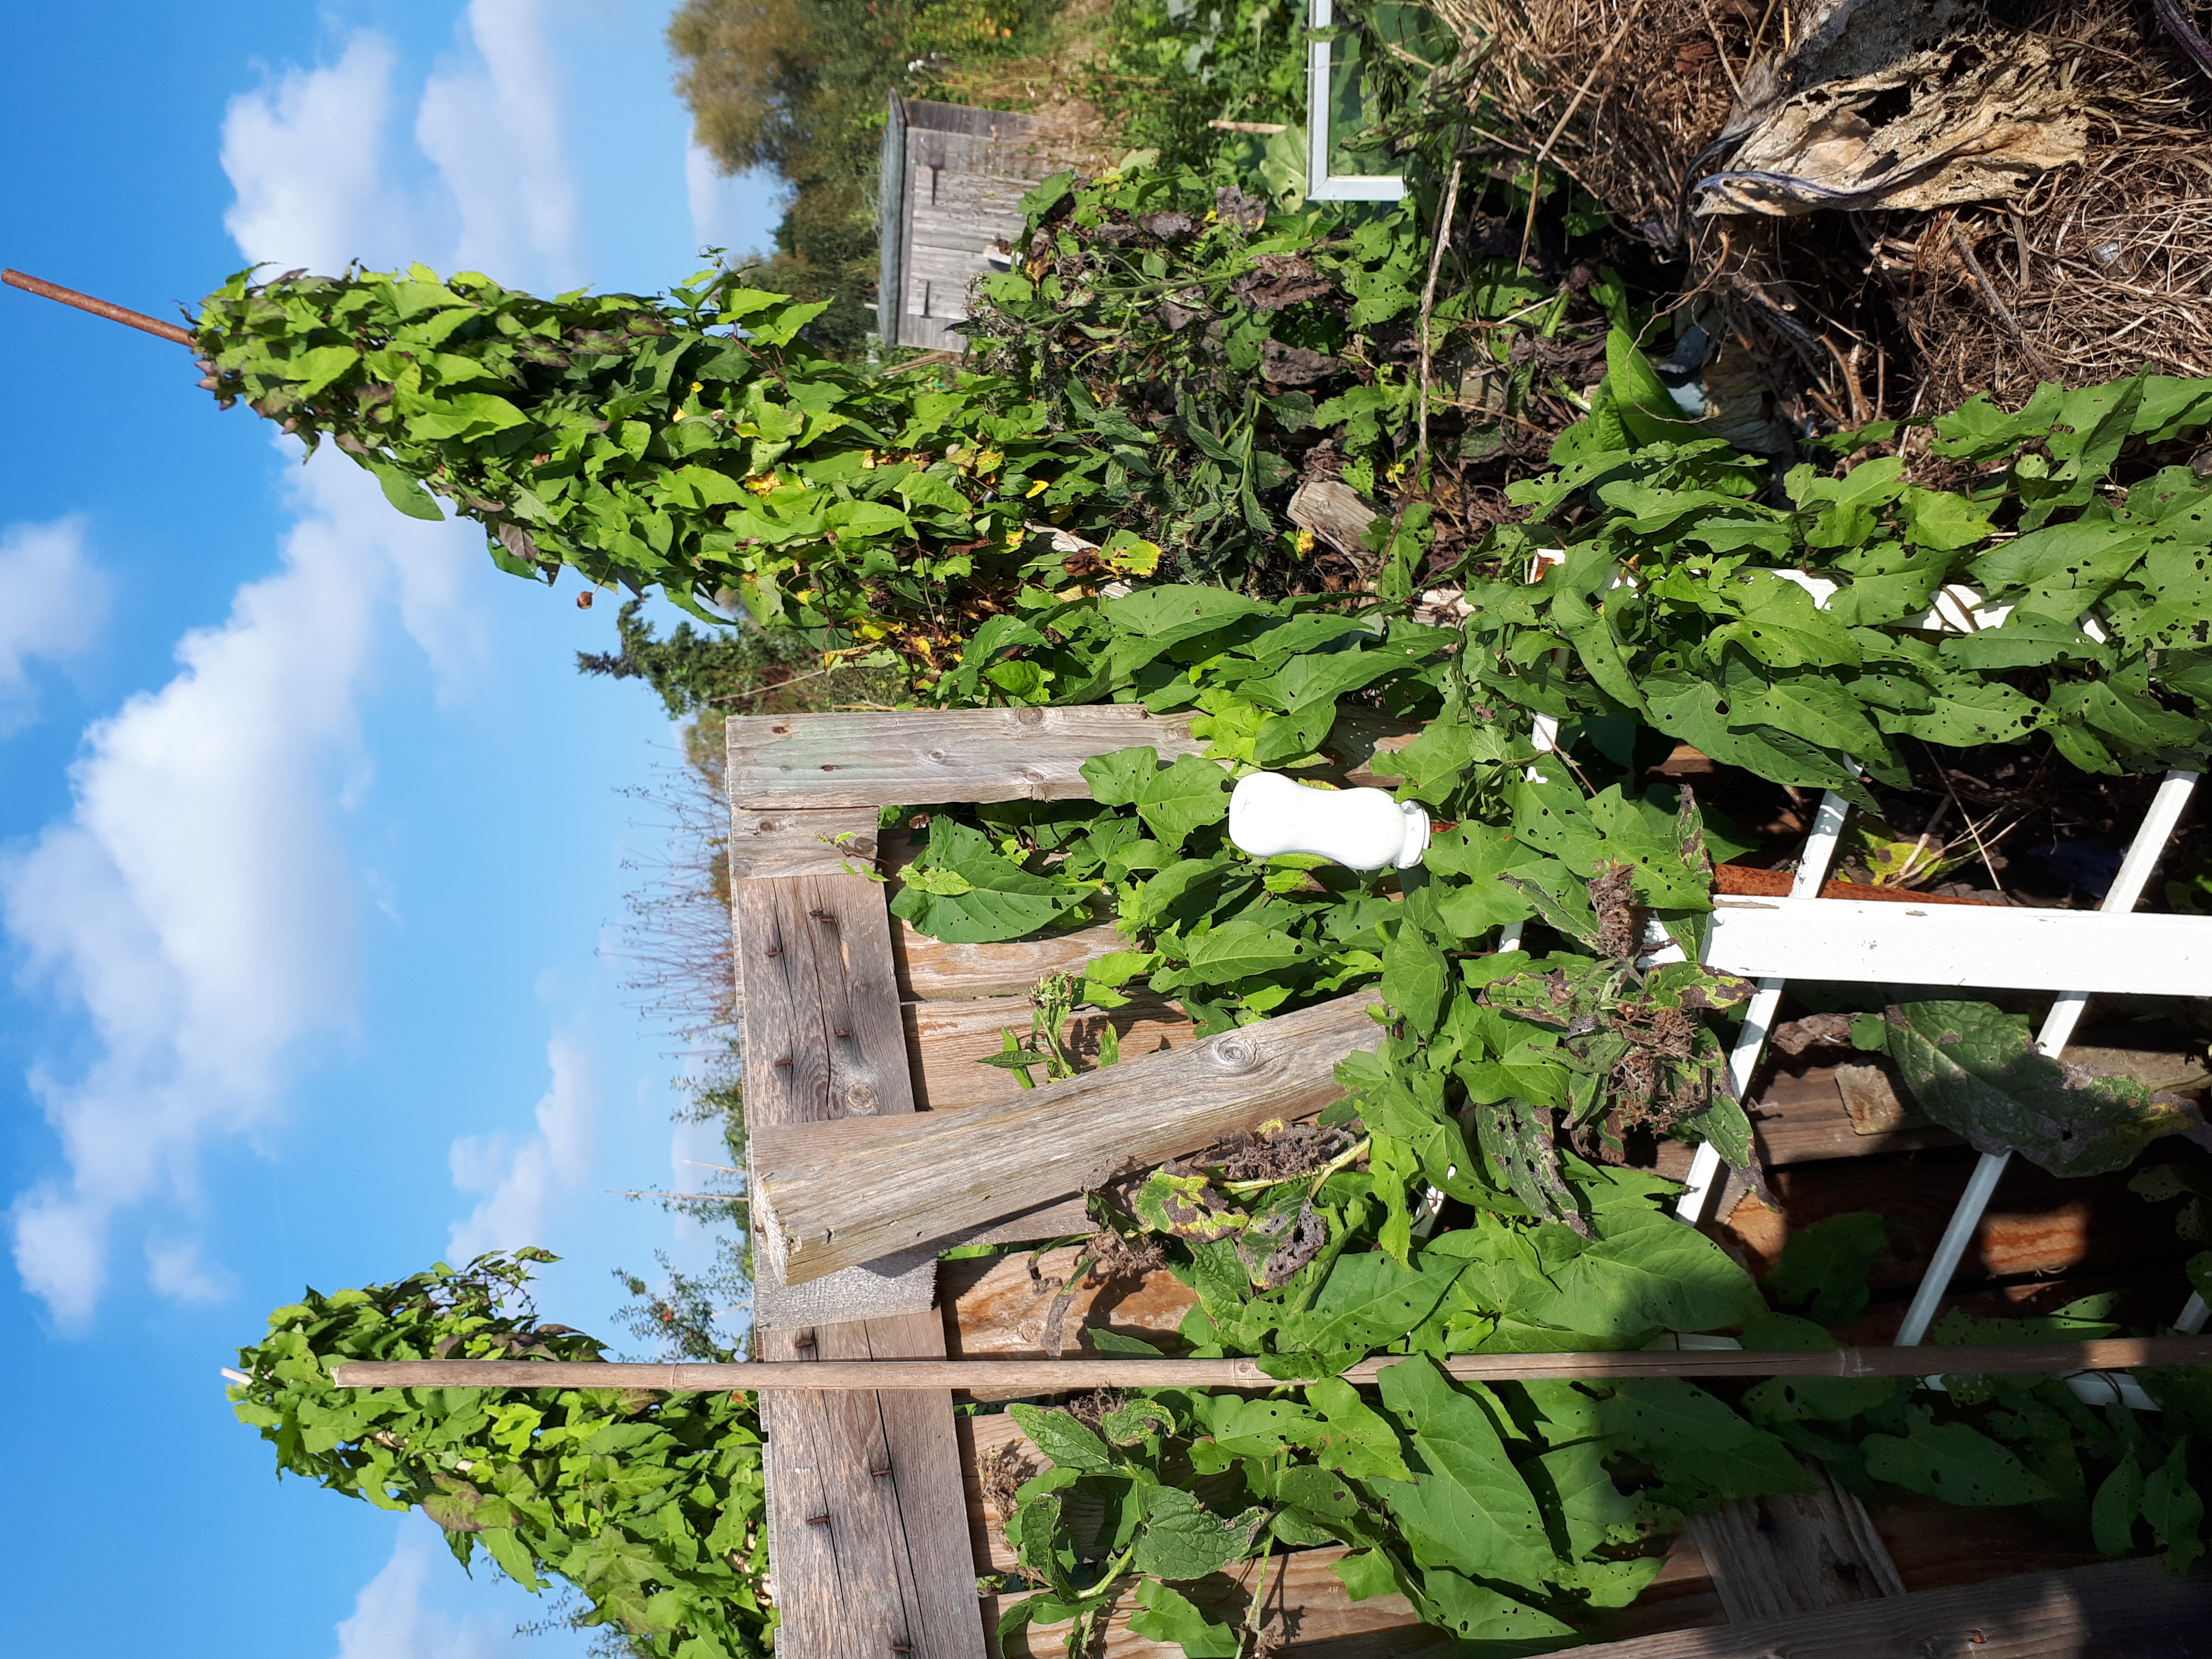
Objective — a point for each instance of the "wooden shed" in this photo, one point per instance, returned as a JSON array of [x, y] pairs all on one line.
[[953, 179]]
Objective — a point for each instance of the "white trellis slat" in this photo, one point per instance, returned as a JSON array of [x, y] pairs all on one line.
[[2142, 855]]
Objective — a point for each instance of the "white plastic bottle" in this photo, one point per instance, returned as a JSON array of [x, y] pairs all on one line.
[[1359, 828]]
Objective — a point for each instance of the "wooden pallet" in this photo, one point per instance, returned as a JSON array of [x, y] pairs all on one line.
[[878, 1516]]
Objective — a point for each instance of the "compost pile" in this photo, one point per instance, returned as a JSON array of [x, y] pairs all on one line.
[[1883, 208]]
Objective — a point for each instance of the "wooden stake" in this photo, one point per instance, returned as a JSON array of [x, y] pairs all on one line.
[[1061, 1375], [115, 313]]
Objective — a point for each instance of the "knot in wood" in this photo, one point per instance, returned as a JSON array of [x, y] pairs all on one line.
[[1029, 716], [861, 1100], [1234, 1053]]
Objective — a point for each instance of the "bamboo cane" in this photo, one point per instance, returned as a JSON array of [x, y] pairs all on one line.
[[115, 313], [1059, 1376]]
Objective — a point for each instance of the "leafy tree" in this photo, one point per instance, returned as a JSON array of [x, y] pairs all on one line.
[[651, 1505], [693, 672]]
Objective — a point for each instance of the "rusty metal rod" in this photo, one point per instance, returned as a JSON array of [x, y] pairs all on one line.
[[1055, 1375], [115, 313]]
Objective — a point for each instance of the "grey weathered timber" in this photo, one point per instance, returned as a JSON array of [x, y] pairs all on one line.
[[801, 842], [823, 1038], [828, 1195], [929, 970], [946, 1043], [1055, 1376], [1336, 512], [888, 1568], [949, 197], [868, 1523], [863, 759], [2124, 1610], [823, 1041], [1795, 1552]]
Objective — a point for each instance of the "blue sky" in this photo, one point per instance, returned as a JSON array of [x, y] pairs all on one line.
[[310, 846]]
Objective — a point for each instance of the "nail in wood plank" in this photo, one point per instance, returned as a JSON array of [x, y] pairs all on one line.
[[794, 842]]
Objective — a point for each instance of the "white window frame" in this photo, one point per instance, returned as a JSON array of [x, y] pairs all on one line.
[[1321, 184]]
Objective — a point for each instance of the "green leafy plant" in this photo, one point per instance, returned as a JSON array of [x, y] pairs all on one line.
[[1976, 1070], [651, 1505]]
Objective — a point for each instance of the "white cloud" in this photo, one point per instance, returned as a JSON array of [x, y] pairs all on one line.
[[520, 1181], [494, 128], [391, 1621], [305, 159], [197, 905], [55, 603], [737, 211], [174, 1269]]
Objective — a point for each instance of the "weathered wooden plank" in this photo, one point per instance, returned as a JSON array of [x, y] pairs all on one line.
[[996, 1306], [822, 1032], [863, 1511], [953, 754], [945, 1042], [801, 843], [2124, 1610], [1795, 1552], [861, 1524], [931, 970], [827, 1196], [1802, 1117], [1065, 1220]]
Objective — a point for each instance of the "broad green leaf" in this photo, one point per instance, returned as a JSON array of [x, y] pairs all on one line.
[[1669, 1277], [465, 415], [2119, 1505], [1824, 1267], [1476, 1613], [1369, 1300], [1068, 1444], [1966, 713], [1359, 1440], [505, 1547], [1239, 949], [1698, 1445], [1180, 1540], [1976, 1070], [1467, 1506], [1414, 978], [1185, 796], [1367, 1573], [403, 492], [1593, 1510], [2174, 1509], [1168, 1616], [1954, 1463]]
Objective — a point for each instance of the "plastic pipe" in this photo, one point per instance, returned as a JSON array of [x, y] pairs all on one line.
[[2143, 853], [1360, 829]]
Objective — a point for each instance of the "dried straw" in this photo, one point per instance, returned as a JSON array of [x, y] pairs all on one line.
[[1624, 123], [2103, 269]]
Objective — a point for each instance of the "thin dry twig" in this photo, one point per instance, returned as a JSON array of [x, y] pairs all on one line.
[[1964, 249], [1436, 242]]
